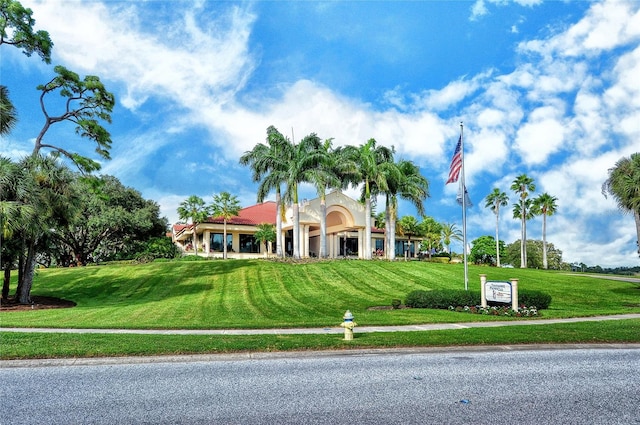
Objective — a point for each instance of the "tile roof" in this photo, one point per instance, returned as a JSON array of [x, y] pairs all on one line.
[[253, 215]]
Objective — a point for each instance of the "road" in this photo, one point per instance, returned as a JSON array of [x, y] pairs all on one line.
[[593, 384]]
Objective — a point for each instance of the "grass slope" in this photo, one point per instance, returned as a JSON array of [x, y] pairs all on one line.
[[266, 294]]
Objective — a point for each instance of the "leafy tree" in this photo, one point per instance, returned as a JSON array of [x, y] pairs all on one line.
[[266, 233], [495, 200], [225, 206], [409, 227], [379, 220], [484, 251], [16, 29], [111, 222], [431, 230], [545, 205], [87, 104], [534, 254], [268, 163], [623, 185], [193, 209], [522, 186], [450, 232]]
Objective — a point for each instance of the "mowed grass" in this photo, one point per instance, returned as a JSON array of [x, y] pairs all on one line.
[[220, 294]]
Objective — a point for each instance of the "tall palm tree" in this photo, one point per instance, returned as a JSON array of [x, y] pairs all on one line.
[[495, 200], [225, 206], [406, 183], [324, 176], [522, 186], [304, 156], [268, 163], [193, 208], [546, 206], [450, 232], [623, 185], [373, 163]]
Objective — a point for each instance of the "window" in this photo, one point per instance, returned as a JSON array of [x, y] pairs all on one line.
[[249, 244], [216, 242]]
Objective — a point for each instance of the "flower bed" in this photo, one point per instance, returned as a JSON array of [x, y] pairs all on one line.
[[522, 311]]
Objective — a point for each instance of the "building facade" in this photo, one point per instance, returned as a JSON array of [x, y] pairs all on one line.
[[345, 234]]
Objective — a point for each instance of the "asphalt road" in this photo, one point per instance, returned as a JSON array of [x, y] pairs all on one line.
[[595, 385]]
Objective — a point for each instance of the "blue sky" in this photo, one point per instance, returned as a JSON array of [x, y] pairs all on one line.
[[546, 88]]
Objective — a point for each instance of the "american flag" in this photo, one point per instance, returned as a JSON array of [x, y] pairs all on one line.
[[456, 163]]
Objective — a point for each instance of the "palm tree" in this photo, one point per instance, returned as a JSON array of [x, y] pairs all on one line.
[[431, 230], [545, 205], [325, 176], [8, 114], [495, 200], [266, 233], [623, 185], [408, 184], [269, 164], [193, 208], [450, 232], [225, 206], [522, 185], [373, 163], [409, 227]]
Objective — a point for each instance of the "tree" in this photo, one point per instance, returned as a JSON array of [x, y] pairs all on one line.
[[431, 230], [534, 254], [372, 163], [193, 208], [546, 206], [8, 114], [16, 29], [405, 182], [266, 233], [522, 185], [268, 164], [225, 206], [87, 104], [111, 222], [484, 250], [409, 227], [450, 232], [495, 200], [623, 185], [325, 176]]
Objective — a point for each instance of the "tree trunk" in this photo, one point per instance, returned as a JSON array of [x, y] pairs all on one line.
[[367, 225], [390, 232], [497, 241], [279, 241], [636, 215], [6, 281], [545, 265], [323, 227], [23, 293], [523, 260], [296, 230], [224, 239]]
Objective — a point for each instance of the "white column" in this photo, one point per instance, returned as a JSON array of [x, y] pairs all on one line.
[[514, 294], [305, 240], [483, 294]]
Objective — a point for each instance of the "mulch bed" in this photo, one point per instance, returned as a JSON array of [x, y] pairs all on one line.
[[39, 303]]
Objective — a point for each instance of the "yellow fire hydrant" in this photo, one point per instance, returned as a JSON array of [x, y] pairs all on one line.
[[348, 325]]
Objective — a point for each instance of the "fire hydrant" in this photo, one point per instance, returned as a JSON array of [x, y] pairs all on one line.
[[348, 325]]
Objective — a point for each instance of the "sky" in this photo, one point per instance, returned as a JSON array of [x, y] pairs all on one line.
[[550, 89]]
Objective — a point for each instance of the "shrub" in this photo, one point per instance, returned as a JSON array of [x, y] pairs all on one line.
[[442, 298], [395, 303], [534, 298]]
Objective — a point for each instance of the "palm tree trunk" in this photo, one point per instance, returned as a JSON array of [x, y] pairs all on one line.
[[523, 259], [224, 239], [497, 241], [544, 242], [296, 230], [367, 225], [279, 242], [323, 227], [636, 215]]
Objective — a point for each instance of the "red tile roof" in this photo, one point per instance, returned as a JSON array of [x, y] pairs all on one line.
[[253, 215]]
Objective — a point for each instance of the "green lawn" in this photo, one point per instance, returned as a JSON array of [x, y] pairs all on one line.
[[221, 294], [264, 294]]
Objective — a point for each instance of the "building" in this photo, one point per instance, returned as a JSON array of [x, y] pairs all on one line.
[[345, 231]]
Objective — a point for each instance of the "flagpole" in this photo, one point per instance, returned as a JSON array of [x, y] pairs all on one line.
[[464, 211]]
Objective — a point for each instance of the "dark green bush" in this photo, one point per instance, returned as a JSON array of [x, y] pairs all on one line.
[[534, 298], [442, 298]]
